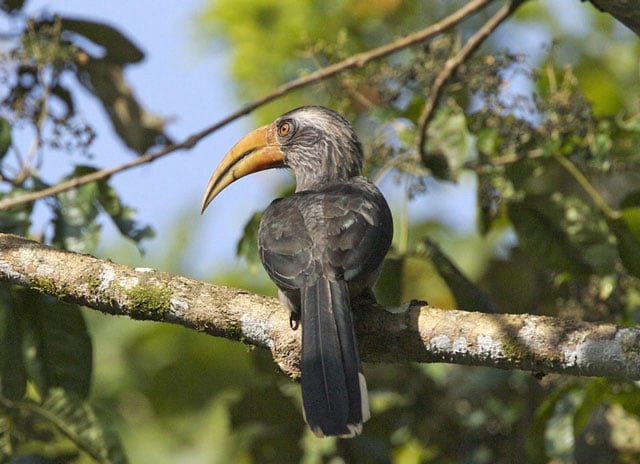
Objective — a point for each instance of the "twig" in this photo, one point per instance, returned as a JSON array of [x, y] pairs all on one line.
[[581, 179], [452, 64], [354, 61]]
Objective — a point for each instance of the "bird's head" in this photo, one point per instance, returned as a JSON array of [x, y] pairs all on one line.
[[318, 144]]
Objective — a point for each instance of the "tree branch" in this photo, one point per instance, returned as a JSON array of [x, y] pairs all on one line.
[[452, 64], [354, 61], [416, 333]]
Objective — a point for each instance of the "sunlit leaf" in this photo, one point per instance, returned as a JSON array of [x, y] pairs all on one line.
[[6, 445], [388, 289], [631, 217], [628, 397], [448, 143], [631, 123], [487, 140]]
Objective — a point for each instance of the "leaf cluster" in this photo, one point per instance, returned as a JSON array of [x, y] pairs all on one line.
[[46, 354], [46, 350]]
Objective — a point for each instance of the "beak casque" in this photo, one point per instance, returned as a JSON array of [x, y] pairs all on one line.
[[257, 151]]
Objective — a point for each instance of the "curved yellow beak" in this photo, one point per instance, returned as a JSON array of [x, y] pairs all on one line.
[[257, 151]]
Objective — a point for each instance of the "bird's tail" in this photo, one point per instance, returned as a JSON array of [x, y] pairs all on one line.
[[334, 392]]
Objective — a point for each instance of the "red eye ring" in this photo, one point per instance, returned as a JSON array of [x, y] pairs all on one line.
[[284, 129]]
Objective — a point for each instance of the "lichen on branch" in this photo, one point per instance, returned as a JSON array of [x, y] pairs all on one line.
[[416, 332]]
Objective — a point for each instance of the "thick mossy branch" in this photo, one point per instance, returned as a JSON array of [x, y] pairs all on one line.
[[415, 333]]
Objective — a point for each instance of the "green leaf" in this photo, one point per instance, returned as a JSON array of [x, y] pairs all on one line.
[[11, 6], [449, 142], [75, 226], [276, 433], [537, 224], [75, 223], [12, 369], [536, 449], [490, 203], [118, 48], [6, 444], [65, 97], [15, 220], [565, 233], [5, 137], [627, 232], [631, 218], [487, 141], [123, 216], [632, 199], [138, 129], [388, 289], [467, 294], [59, 351], [248, 244], [628, 398], [77, 420], [595, 393]]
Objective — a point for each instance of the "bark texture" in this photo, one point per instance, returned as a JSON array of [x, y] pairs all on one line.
[[416, 332]]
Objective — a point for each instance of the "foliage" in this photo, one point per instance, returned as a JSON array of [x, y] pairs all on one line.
[[46, 350], [554, 161], [550, 147]]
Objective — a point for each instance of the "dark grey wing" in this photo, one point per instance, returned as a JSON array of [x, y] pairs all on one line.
[[359, 229], [285, 244], [320, 242]]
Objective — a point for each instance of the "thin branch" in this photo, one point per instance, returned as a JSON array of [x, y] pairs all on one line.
[[452, 64], [354, 61], [417, 333], [589, 189]]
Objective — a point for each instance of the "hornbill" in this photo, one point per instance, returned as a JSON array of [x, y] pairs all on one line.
[[322, 246]]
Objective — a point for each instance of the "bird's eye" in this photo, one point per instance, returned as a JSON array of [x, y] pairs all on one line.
[[284, 129]]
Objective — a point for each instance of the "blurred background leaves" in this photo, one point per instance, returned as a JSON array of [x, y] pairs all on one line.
[[547, 142]]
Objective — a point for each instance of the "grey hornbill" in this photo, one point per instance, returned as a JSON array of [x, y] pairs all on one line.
[[322, 246]]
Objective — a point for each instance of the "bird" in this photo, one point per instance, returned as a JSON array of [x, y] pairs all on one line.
[[323, 247]]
